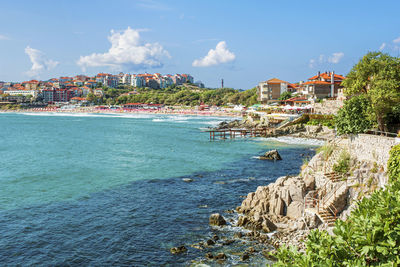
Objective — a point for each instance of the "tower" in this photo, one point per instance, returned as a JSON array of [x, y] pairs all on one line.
[[222, 83]]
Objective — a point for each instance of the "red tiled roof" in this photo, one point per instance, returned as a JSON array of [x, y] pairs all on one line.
[[326, 75], [316, 82], [275, 81]]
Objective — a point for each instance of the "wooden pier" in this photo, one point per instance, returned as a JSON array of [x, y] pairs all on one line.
[[242, 133]]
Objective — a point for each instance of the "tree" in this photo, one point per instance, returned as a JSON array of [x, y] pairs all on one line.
[[91, 97], [376, 75], [353, 118], [285, 95]]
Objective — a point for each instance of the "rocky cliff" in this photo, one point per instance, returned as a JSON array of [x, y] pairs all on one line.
[[326, 189]]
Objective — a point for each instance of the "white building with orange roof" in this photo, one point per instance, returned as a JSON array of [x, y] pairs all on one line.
[[91, 83], [137, 81], [271, 90], [31, 85], [323, 85]]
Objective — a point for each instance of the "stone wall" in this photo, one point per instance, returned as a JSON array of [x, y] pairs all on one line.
[[328, 107], [371, 148]]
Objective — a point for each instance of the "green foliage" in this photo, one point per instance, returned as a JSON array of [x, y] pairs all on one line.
[[182, 95], [353, 118], [317, 119], [343, 164], [326, 150], [324, 122], [377, 76], [285, 95], [369, 237], [394, 163]]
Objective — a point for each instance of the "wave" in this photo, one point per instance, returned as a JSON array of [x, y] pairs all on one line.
[[89, 115], [294, 140]]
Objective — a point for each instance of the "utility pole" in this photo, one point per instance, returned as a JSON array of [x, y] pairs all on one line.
[[222, 83]]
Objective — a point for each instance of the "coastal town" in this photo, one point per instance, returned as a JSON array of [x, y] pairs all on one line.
[[89, 94], [200, 133]]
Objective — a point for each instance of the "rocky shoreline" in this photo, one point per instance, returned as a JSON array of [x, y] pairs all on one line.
[[295, 130], [279, 214]]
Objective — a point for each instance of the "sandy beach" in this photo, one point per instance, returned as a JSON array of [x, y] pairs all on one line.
[[95, 110]]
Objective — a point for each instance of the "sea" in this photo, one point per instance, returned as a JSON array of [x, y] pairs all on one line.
[[82, 189]]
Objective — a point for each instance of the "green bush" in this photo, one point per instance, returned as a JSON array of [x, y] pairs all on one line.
[[343, 164], [369, 237], [394, 163], [319, 119], [326, 150], [353, 117]]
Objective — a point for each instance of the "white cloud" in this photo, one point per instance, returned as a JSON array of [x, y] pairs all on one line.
[[221, 54], [312, 63], [3, 37], [397, 40], [127, 51], [383, 45], [336, 57], [39, 62]]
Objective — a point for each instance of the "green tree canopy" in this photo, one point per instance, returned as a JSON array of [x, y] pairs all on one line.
[[353, 117], [285, 95], [376, 75]]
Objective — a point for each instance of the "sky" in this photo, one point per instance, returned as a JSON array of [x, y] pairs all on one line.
[[242, 42]]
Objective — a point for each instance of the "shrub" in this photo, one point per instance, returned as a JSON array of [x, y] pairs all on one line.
[[394, 163], [326, 151], [353, 116], [343, 164], [369, 237]]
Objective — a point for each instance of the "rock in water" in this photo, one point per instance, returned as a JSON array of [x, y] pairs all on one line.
[[221, 256], [177, 250], [271, 155], [217, 219]]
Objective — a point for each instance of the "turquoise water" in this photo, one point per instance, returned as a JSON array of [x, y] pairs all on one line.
[[107, 189]]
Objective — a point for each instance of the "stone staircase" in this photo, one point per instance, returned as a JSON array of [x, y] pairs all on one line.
[[333, 158], [323, 201]]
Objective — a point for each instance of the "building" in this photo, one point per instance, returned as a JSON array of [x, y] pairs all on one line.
[[271, 90], [137, 81], [33, 93], [98, 92], [152, 83], [108, 79], [31, 85], [199, 84], [323, 85], [56, 95], [91, 83], [48, 95]]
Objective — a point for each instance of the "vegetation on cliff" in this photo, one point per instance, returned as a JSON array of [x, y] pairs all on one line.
[[353, 117], [369, 237], [177, 95], [377, 77]]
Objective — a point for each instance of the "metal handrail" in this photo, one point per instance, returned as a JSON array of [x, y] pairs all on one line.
[[333, 210], [333, 192], [381, 133]]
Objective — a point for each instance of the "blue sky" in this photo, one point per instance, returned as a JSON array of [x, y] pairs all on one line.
[[250, 41]]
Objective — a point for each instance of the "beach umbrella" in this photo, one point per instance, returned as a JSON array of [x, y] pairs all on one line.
[[288, 107]]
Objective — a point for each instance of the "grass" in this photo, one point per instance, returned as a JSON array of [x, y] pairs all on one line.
[[326, 151]]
